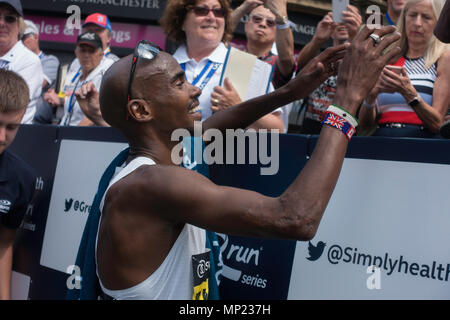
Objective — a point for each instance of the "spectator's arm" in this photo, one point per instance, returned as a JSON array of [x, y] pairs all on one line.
[[323, 33], [270, 121], [6, 254], [50, 69], [52, 98], [246, 7], [284, 39]]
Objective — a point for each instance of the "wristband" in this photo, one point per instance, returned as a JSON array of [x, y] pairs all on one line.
[[337, 122], [368, 105], [343, 114], [283, 26]]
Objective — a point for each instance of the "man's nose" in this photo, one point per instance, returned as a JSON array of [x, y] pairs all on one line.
[[196, 91]]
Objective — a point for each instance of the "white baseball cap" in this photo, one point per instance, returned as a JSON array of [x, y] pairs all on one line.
[[31, 28]]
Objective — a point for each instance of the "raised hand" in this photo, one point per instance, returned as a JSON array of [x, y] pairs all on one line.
[[325, 28], [352, 20], [317, 71], [362, 65], [278, 8]]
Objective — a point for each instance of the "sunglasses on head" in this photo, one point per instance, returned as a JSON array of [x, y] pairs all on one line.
[[145, 50], [258, 19], [10, 18], [204, 11]]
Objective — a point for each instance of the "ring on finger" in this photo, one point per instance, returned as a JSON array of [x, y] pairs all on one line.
[[375, 37], [215, 101]]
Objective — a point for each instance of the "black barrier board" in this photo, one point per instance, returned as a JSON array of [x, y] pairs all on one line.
[[249, 271]]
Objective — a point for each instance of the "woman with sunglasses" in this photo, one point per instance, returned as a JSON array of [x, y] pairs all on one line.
[[16, 57], [203, 28]]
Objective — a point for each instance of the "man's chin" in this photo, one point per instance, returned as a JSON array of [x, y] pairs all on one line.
[[196, 116]]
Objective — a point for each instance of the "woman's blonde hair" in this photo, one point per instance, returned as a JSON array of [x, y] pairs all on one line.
[[22, 27], [435, 48]]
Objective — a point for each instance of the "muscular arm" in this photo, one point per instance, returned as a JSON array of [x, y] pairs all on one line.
[[247, 112], [180, 195], [6, 255]]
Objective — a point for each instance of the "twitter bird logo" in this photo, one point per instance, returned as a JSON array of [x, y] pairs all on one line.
[[315, 252], [68, 204]]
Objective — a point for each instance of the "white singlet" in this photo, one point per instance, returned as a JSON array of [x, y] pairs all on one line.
[[175, 278]]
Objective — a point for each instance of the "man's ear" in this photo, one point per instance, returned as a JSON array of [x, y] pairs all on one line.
[[140, 110]]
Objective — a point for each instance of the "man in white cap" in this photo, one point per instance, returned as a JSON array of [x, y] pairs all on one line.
[[16, 57], [49, 63]]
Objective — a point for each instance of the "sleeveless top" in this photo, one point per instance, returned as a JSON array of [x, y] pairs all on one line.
[[393, 108], [184, 273]]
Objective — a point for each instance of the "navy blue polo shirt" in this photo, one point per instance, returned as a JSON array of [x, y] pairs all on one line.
[[17, 184]]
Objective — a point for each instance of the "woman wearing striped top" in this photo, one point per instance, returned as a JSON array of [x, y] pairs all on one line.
[[412, 99]]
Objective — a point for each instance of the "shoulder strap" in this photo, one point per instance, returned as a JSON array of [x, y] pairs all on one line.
[[86, 252]]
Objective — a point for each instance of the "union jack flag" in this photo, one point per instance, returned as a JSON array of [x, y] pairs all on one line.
[[334, 121]]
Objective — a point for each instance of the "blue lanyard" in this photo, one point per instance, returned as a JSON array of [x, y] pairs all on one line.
[[4, 64], [71, 102], [208, 77], [389, 19]]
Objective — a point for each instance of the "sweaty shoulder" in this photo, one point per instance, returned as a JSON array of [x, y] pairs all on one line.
[[157, 190]]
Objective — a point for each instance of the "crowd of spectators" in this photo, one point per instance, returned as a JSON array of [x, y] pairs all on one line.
[[410, 98]]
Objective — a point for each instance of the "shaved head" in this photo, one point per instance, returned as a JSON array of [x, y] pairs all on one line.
[[158, 90], [113, 93]]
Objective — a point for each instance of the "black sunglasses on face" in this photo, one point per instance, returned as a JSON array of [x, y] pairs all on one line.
[[258, 19], [10, 18], [146, 50], [204, 11]]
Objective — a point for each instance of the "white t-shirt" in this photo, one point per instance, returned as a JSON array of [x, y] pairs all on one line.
[[27, 64], [193, 68], [72, 110], [108, 59]]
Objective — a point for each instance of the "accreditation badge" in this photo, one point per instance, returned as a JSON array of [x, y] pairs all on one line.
[[201, 272]]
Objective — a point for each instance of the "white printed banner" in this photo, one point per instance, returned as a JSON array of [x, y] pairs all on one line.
[[393, 215], [79, 169]]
